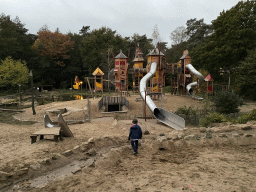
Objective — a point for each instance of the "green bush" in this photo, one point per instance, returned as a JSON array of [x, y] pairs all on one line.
[[227, 102], [247, 117], [186, 111], [168, 89], [213, 117]]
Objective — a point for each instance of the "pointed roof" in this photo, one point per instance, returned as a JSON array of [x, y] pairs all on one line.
[[121, 55], [138, 56], [155, 52], [208, 78], [97, 72], [185, 55]]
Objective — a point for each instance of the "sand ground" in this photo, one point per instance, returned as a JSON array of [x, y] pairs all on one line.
[[168, 160]]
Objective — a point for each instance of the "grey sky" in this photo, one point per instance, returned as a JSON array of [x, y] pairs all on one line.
[[125, 16]]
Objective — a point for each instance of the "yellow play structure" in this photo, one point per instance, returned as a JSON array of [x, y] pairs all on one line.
[[98, 80], [77, 83]]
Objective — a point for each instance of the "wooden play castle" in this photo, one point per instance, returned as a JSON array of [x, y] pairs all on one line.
[[121, 72], [157, 83], [138, 69], [184, 76]]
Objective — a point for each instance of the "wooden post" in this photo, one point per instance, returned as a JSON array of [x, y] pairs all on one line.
[[102, 84], [89, 109], [33, 93], [20, 94], [89, 86], [33, 138], [212, 87], [145, 106]]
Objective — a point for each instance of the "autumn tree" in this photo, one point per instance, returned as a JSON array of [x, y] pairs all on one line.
[[55, 46], [13, 72]]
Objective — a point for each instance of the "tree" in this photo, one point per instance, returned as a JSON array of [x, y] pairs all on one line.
[[13, 73], [245, 76], [55, 46], [14, 39], [234, 34], [85, 30], [226, 102], [144, 43], [174, 54], [198, 32], [179, 35], [96, 45], [194, 35]]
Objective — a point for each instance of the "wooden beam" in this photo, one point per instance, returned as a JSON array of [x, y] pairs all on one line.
[[14, 110], [89, 85]]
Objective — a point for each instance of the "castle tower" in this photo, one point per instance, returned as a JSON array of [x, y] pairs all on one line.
[[137, 67], [185, 77], [121, 72], [158, 81]]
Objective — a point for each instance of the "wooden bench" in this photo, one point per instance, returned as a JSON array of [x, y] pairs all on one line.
[[56, 132]]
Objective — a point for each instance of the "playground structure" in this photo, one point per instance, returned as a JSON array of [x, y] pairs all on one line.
[[208, 79], [78, 83], [113, 104], [160, 114], [121, 72], [183, 80], [57, 129], [157, 83], [184, 76], [98, 80], [190, 85], [138, 69]]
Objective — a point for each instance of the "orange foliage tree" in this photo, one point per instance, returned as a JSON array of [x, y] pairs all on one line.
[[55, 46]]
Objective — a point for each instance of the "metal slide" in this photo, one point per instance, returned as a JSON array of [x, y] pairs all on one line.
[[61, 123], [49, 123], [200, 80], [64, 127], [170, 119]]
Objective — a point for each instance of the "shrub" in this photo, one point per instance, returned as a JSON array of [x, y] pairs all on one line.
[[168, 89], [247, 117], [213, 117], [186, 111], [227, 102]]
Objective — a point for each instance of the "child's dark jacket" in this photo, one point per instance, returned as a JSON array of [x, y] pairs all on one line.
[[135, 132]]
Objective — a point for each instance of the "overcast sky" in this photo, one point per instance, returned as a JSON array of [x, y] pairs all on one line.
[[125, 16]]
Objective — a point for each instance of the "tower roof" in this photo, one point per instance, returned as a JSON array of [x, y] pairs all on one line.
[[155, 52], [138, 56], [185, 56], [97, 72], [121, 55]]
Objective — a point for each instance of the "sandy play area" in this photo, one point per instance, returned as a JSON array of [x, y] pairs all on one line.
[[99, 156]]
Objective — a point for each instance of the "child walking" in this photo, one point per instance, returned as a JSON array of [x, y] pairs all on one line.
[[135, 135]]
